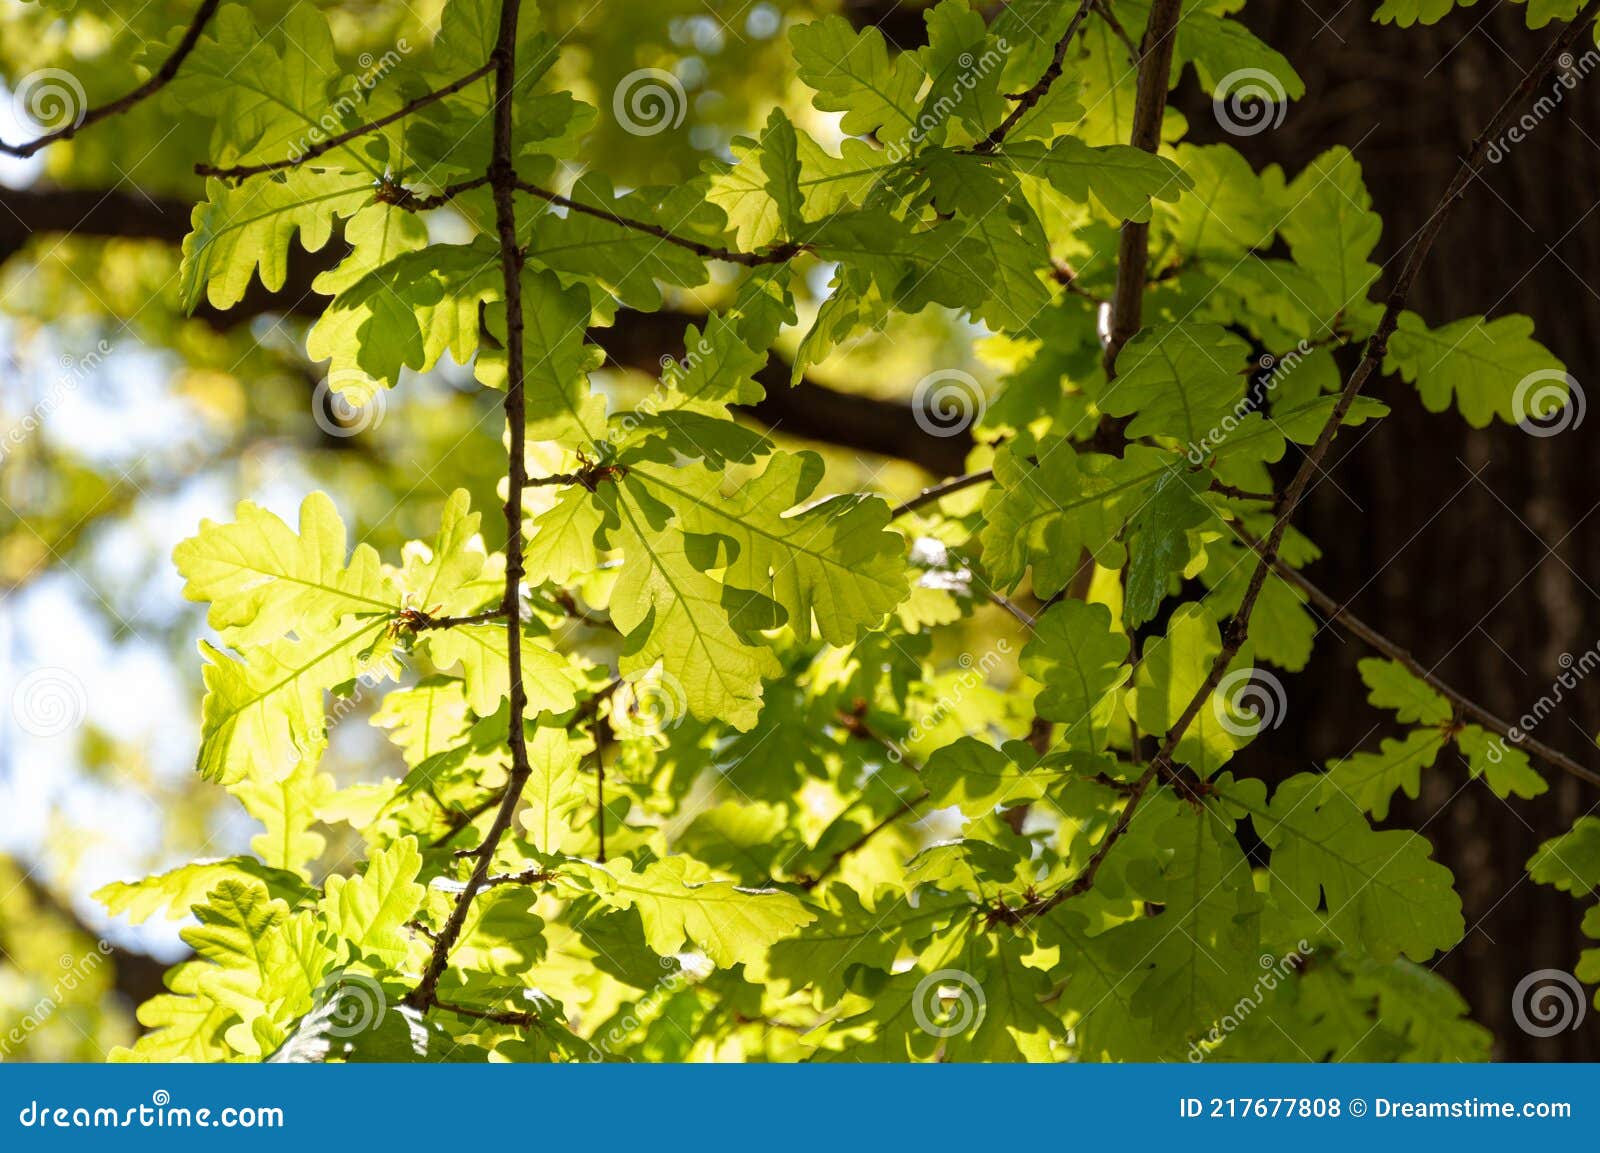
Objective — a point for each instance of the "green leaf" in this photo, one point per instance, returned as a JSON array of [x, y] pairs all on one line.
[[426, 719], [1001, 219], [1158, 542], [237, 229], [1124, 180], [1371, 779], [1332, 231], [265, 582], [369, 912], [1394, 687], [670, 611], [1383, 892], [1480, 364], [1570, 862], [679, 904], [1180, 381], [628, 263], [1171, 672], [835, 562], [1048, 503], [262, 716], [555, 787], [852, 73], [483, 652], [177, 890], [760, 193], [1506, 768], [975, 777], [1080, 663], [288, 808], [407, 313]]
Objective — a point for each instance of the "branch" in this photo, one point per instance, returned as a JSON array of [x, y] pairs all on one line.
[[1026, 100], [1465, 705], [240, 172], [838, 858], [419, 622], [1103, 8], [163, 77], [781, 254], [1238, 631], [461, 820], [1149, 110], [402, 197], [939, 491], [503, 178], [498, 1016]]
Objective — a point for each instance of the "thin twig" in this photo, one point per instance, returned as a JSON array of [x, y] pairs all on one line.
[[1103, 9], [402, 197], [422, 622], [1465, 705], [1233, 492], [600, 786], [939, 491], [837, 859], [498, 1016], [529, 876], [1026, 100], [780, 254], [1012, 607], [164, 76], [461, 820], [241, 171], [1067, 277]]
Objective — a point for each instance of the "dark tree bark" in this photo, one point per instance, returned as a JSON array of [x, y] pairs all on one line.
[[1477, 550]]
